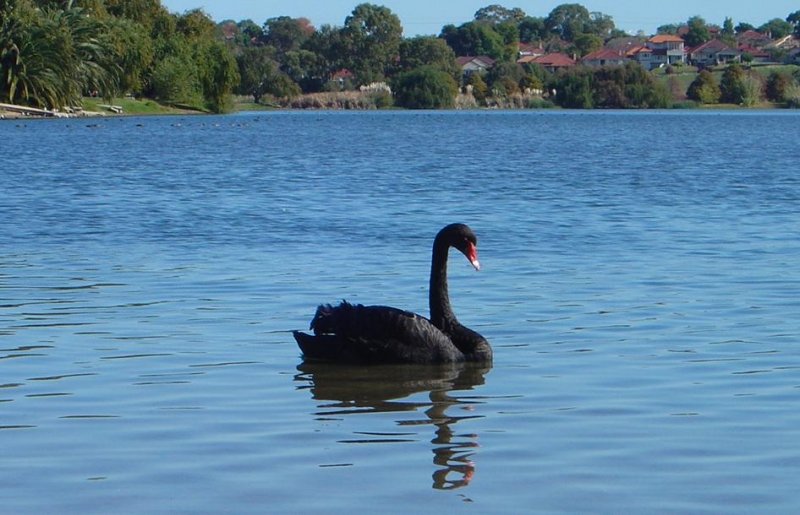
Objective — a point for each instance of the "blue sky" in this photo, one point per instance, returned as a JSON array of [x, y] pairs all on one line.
[[428, 16]]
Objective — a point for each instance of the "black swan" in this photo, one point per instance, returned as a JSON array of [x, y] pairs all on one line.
[[353, 333]]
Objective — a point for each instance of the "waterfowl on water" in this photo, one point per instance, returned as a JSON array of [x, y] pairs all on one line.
[[354, 333]]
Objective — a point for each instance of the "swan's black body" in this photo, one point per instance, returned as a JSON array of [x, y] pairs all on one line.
[[354, 333]]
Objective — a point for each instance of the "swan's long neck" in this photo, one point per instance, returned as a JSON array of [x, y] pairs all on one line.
[[438, 297]]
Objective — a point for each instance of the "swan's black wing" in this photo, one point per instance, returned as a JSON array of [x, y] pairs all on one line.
[[470, 342], [355, 333]]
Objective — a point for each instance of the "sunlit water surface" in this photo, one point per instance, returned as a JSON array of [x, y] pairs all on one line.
[[640, 287]]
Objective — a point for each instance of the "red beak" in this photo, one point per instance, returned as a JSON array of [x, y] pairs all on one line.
[[472, 255]]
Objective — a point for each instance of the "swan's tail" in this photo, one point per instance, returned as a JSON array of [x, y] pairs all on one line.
[[322, 347], [330, 319]]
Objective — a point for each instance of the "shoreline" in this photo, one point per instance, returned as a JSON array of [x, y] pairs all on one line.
[[12, 112], [94, 108]]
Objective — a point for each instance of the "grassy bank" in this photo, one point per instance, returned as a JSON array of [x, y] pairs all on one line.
[[99, 107], [678, 81], [132, 106]]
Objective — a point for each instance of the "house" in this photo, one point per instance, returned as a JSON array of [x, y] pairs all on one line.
[[788, 46], [758, 55], [644, 56], [713, 52], [785, 43], [554, 61], [793, 56], [528, 59], [603, 57], [474, 64], [753, 38], [341, 76], [624, 46], [660, 50], [632, 50], [527, 49]]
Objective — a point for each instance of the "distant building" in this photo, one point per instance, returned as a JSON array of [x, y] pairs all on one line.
[[603, 57], [474, 64], [660, 50], [788, 45], [713, 52], [341, 76], [758, 55], [529, 50], [753, 38], [554, 61]]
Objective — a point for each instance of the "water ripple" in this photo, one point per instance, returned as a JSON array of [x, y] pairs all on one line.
[[643, 313]]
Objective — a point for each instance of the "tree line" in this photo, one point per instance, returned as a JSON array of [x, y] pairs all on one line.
[[285, 56], [54, 51]]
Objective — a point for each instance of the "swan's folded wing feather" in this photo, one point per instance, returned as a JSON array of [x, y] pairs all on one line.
[[373, 334]]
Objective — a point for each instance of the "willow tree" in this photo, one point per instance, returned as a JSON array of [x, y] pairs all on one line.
[[134, 50], [190, 66], [219, 76]]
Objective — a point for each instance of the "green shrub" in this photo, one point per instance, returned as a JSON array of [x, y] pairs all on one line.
[[778, 86], [383, 99], [703, 89], [731, 87], [539, 103], [425, 87]]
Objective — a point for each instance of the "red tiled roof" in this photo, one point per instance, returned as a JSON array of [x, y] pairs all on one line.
[[744, 47], [485, 59], [530, 48], [711, 44], [750, 33], [636, 49], [665, 38], [555, 60], [342, 74], [603, 53]]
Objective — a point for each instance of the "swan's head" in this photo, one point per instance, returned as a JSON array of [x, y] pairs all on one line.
[[462, 238]]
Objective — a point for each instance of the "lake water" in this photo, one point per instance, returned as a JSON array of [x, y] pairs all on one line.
[[640, 287]]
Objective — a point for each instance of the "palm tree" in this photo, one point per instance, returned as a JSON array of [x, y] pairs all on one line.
[[28, 73], [50, 57], [86, 49]]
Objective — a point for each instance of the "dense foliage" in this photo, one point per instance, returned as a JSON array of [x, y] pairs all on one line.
[[426, 87], [704, 89], [739, 87], [781, 87], [619, 87], [53, 52]]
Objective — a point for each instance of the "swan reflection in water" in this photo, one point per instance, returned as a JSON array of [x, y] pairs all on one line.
[[358, 389]]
